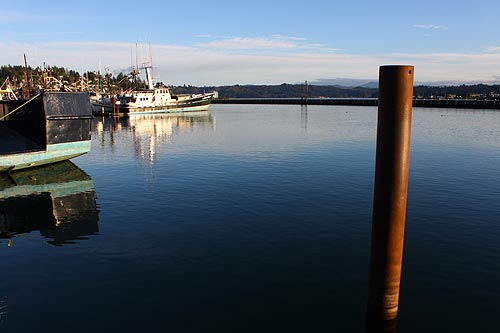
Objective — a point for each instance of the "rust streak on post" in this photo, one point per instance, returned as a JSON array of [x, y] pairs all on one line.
[[390, 193]]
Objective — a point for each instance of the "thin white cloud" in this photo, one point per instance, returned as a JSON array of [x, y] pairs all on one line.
[[494, 49], [453, 67], [429, 26], [275, 43], [199, 65], [249, 43], [289, 37]]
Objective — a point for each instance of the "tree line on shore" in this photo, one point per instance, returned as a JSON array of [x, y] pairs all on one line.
[[25, 77], [25, 80], [477, 91]]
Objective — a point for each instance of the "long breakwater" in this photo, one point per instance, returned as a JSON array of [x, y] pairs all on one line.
[[428, 103]]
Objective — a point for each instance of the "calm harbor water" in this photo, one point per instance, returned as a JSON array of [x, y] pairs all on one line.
[[251, 218]]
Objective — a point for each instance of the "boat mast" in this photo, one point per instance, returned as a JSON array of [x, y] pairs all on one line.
[[27, 93]]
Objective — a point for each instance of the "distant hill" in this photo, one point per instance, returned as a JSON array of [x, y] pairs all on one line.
[[460, 91], [367, 83], [280, 91], [346, 83], [320, 91]]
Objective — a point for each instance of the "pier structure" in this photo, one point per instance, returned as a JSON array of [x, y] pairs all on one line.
[[417, 102]]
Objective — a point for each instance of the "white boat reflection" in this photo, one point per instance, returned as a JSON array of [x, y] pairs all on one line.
[[155, 123], [58, 200], [150, 134]]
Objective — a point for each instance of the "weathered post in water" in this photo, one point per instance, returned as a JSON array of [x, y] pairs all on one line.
[[391, 186]]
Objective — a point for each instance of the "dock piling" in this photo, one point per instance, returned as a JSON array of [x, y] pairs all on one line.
[[390, 193]]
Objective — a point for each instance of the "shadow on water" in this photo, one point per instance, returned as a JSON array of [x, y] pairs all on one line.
[[373, 325], [58, 200]]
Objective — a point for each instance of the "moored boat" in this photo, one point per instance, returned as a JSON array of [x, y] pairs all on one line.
[[50, 127], [155, 99]]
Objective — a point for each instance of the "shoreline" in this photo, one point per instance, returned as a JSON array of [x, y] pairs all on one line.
[[432, 103]]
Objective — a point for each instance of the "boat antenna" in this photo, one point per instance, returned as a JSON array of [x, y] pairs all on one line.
[[150, 54], [136, 62], [26, 76], [131, 57], [151, 64]]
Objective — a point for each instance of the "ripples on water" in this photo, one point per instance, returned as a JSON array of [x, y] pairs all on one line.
[[251, 218]]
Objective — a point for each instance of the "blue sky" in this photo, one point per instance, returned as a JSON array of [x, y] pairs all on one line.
[[258, 42]]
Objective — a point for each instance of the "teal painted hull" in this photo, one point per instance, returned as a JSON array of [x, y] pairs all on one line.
[[57, 190], [54, 153]]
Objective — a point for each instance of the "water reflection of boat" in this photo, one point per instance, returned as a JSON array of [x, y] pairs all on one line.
[[57, 199], [160, 127], [149, 135]]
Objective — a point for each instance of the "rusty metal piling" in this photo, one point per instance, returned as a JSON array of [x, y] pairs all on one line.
[[390, 193]]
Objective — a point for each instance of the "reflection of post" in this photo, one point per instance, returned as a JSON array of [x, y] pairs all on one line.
[[306, 93], [116, 107], [2, 308], [303, 116], [116, 111], [391, 187]]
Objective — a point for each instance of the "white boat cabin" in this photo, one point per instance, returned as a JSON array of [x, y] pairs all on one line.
[[147, 98]]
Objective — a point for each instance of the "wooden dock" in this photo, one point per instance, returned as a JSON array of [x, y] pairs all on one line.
[[420, 102]]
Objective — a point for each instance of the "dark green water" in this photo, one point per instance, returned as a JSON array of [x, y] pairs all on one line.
[[252, 218]]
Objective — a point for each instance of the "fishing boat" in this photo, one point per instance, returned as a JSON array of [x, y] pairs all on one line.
[[155, 99], [49, 127]]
